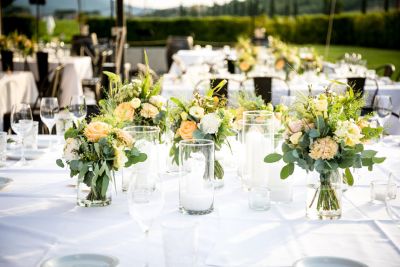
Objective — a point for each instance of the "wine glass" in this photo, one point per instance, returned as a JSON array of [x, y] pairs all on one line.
[[383, 107], [78, 108], [49, 113], [146, 200], [21, 123]]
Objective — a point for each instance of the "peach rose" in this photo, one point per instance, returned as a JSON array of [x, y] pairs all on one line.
[[244, 66], [125, 111], [96, 130], [149, 111], [280, 64], [187, 128]]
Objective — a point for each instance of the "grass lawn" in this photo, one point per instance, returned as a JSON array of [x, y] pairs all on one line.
[[374, 56]]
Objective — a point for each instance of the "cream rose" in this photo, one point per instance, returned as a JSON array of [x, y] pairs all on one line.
[[210, 123], [321, 105], [96, 130], [294, 138], [295, 126], [157, 101], [125, 111], [124, 137], [135, 103], [186, 129], [149, 111], [197, 112], [324, 148]]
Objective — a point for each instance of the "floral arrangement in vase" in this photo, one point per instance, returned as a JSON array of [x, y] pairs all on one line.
[[136, 103], [22, 44], [246, 55], [326, 135], [203, 117], [310, 60], [93, 152]]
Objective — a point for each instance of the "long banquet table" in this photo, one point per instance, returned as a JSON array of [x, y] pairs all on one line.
[[40, 220]]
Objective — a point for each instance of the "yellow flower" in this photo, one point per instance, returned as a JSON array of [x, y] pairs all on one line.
[[294, 138], [125, 138], [324, 148], [125, 111], [349, 132], [120, 158], [186, 129], [96, 130], [149, 111], [184, 116], [321, 105]]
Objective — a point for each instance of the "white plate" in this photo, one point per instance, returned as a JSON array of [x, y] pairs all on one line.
[[327, 262], [4, 182], [82, 260], [30, 154]]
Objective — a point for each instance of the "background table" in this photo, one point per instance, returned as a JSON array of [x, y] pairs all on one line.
[[39, 219], [16, 87]]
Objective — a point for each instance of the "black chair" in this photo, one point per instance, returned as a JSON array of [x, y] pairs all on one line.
[[231, 65], [263, 88], [7, 60], [223, 91], [176, 43], [387, 70], [357, 83], [52, 88], [42, 59]]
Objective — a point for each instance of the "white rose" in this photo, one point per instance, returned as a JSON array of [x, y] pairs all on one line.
[[157, 101], [197, 112], [135, 103], [349, 132], [71, 149], [210, 123], [294, 138]]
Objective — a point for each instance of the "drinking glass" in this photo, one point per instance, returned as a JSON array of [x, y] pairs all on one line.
[[3, 148], [287, 100], [49, 114], [78, 108], [145, 203], [383, 107], [21, 123]]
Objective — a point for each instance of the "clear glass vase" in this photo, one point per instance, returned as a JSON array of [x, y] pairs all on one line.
[[93, 197], [324, 195], [196, 176]]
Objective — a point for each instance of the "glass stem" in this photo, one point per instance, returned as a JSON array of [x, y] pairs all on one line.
[[147, 241], [22, 150]]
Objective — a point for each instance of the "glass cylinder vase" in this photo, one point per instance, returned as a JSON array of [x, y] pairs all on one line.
[[94, 196], [196, 175], [257, 141], [147, 141], [324, 195]]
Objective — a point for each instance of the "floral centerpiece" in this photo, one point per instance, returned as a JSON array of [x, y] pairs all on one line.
[[310, 60], [93, 152], [22, 44], [327, 135], [203, 117], [246, 55], [136, 103]]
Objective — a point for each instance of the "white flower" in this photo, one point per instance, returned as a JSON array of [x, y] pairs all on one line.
[[149, 111], [136, 82], [135, 103], [197, 112], [120, 158], [210, 123], [349, 132], [184, 116], [71, 149], [294, 138], [295, 126], [157, 101], [321, 105]]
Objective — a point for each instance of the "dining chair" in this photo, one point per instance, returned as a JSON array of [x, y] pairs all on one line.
[[387, 70], [263, 87], [42, 63], [7, 60], [176, 43]]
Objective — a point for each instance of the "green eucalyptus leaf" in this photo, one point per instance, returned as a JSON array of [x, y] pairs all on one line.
[[378, 160], [314, 133], [368, 153], [274, 157], [288, 157], [60, 163], [287, 170], [348, 177]]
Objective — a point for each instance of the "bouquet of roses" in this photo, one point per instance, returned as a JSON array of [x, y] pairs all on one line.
[[246, 55], [135, 103], [94, 151], [327, 134], [203, 117]]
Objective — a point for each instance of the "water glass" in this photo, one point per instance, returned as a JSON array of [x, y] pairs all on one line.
[[382, 190], [31, 140], [21, 123], [3, 148], [180, 243], [196, 176], [78, 107], [49, 111], [258, 141], [259, 198], [383, 107]]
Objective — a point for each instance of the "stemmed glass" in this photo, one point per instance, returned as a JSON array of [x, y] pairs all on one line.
[[78, 108], [383, 107], [49, 113], [21, 123], [146, 201]]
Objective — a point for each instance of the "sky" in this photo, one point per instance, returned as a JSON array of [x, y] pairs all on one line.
[[161, 4]]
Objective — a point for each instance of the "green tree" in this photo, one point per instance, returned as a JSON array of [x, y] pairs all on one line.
[[272, 8]]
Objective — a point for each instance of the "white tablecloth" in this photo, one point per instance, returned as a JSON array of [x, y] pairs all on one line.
[[76, 69], [16, 87], [39, 220]]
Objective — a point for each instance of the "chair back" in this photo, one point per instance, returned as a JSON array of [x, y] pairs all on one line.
[[42, 59], [55, 84], [263, 88], [176, 43], [231, 66], [387, 70], [105, 82], [7, 60], [357, 83], [223, 91]]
